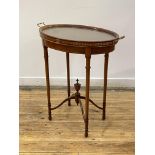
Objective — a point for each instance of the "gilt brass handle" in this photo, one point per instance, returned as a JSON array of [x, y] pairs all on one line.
[[41, 24], [122, 37]]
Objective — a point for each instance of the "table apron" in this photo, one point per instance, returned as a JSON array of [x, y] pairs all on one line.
[[77, 50]]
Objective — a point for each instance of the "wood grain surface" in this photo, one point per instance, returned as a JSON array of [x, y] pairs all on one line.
[[64, 135]]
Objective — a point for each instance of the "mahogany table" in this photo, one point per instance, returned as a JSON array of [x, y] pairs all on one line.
[[78, 39]]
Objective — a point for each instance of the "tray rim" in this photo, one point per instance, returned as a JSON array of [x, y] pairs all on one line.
[[79, 43]]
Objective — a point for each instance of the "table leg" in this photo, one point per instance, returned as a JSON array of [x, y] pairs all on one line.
[[47, 81], [68, 76], [88, 57], [105, 85]]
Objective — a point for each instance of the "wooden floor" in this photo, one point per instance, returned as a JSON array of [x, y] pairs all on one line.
[[64, 135]]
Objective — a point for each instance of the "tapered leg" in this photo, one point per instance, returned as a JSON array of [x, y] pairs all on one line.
[[68, 76], [47, 81], [105, 85], [88, 57]]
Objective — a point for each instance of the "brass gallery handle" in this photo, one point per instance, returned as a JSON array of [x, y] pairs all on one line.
[[41, 24], [122, 37]]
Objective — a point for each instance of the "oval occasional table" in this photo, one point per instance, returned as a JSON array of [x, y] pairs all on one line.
[[78, 39]]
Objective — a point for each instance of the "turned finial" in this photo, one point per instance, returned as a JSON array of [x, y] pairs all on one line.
[[77, 85], [77, 80]]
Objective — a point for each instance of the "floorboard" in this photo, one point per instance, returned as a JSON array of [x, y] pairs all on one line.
[[64, 135]]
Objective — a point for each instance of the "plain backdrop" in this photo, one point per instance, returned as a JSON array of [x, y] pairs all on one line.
[[115, 15]]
